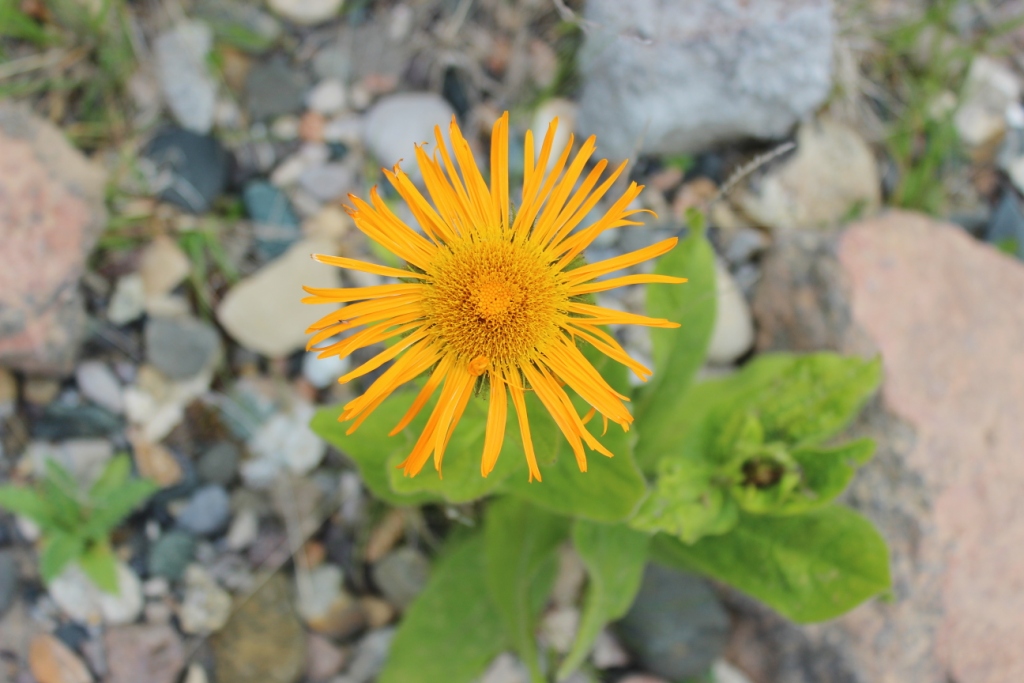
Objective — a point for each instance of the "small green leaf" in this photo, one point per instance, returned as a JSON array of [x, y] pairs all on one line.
[[105, 515], [59, 550], [519, 542], [100, 565], [614, 556], [687, 501], [679, 352], [27, 503], [452, 631], [113, 475], [810, 567]]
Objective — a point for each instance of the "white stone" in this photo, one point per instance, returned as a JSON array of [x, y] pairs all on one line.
[[832, 174], [285, 127], [206, 607], [559, 628], [989, 89], [608, 653], [81, 600], [506, 668], [323, 587], [189, 89], [287, 439], [733, 334], [243, 530], [306, 12], [126, 606], [163, 266], [398, 122], [566, 113], [99, 384], [196, 674], [328, 182], [660, 80], [263, 312], [327, 97], [347, 128], [128, 302], [724, 672], [323, 372]]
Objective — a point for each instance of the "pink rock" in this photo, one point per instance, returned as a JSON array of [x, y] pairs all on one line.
[[51, 213], [947, 315], [153, 653]]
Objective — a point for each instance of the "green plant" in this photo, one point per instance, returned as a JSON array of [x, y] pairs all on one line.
[[75, 524], [733, 478]]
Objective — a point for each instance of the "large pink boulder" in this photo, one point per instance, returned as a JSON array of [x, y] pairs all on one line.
[[51, 213]]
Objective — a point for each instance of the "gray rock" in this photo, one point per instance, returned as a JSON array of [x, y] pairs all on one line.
[[187, 169], [370, 656], [98, 383], [397, 122], [733, 334], [660, 80], [219, 464], [64, 420], [207, 512], [401, 575], [676, 626], [1006, 228], [8, 580], [273, 89], [171, 554], [277, 225], [328, 182], [181, 348], [189, 89]]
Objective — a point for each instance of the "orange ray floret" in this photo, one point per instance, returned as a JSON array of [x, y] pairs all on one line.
[[487, 300]]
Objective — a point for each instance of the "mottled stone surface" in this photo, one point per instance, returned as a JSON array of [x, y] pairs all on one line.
[[51, 213], [662, 79], [945, 314]]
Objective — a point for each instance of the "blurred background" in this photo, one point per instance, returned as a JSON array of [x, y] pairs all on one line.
[[167, 167]]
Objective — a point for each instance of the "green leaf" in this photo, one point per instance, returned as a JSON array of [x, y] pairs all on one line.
[[809, 567], [826, 472], [15, 24], [452, 631], [519, 543], [614, 556], [377, 455], [680, 352], [610, 488], [27, 503], [687, 502], [100, 565], [59, 549], [113, 475], [105, 515]]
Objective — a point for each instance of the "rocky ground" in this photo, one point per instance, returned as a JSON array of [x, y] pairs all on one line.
[[167, 168]]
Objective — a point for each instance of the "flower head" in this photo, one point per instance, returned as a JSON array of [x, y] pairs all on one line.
[[490, 300]]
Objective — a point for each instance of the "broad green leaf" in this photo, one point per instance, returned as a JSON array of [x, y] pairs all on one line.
[[679, 352], [452, 630], [826, 472], [100, 565], [378, 455], [614, 556], [28, 503], [809, 567], [815, 397], [59, 549], [519, 543], [687, 502], [610, 488], [113, 475], [116, 506], [460, 479]]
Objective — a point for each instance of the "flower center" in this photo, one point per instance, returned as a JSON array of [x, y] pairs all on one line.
[[494, 301]]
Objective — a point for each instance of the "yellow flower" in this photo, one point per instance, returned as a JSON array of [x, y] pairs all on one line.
[[491, 301]]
